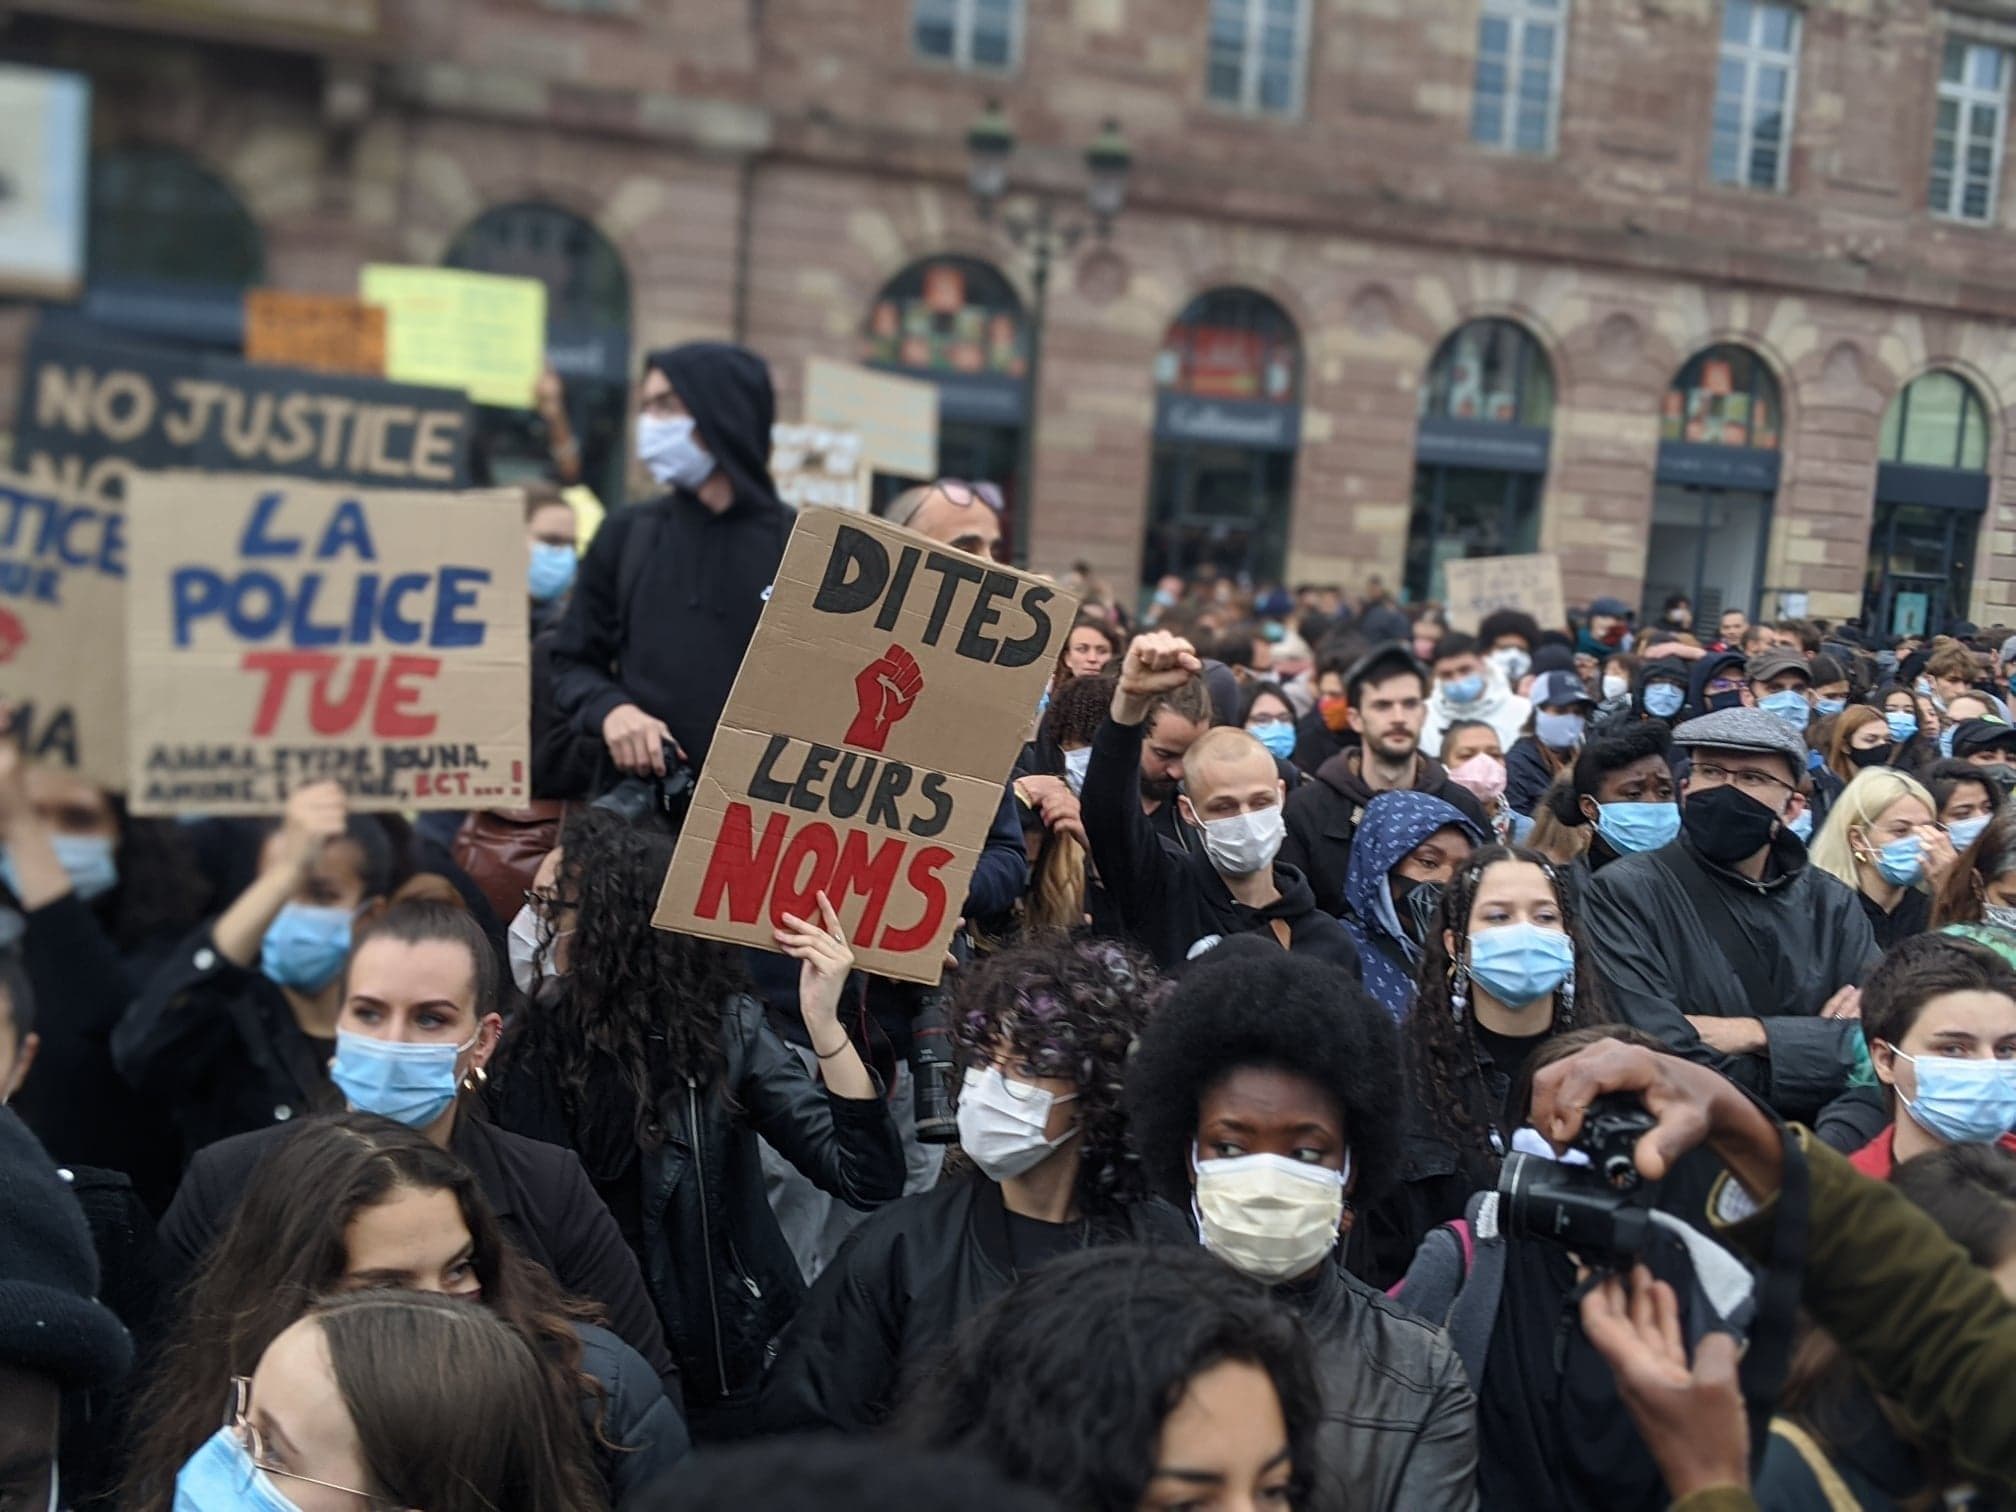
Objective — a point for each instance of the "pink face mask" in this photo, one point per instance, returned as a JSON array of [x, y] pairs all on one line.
[[1483, 774]]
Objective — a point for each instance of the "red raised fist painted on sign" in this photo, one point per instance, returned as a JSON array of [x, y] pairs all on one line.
[[885, 689], [13, 635]]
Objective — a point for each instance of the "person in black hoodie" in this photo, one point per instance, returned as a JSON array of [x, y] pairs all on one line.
[[1230, 883], [1388, 691], [669, 593]]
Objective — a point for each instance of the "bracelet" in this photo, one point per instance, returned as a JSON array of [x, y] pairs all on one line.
[[845, 1044]]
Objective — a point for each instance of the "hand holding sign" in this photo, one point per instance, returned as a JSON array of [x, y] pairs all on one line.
[[884, 689]]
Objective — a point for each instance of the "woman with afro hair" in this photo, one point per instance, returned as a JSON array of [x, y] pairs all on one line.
[[1044, 1030], [1502, 972], [1265, 1101], [644, 1053]]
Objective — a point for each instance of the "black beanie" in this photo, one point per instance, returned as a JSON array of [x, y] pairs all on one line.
[[51, 1322]]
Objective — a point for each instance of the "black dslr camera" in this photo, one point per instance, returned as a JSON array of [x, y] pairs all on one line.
[[1601, 1211], [653, 799]]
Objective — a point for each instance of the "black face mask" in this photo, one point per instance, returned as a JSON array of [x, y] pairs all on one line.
[[1727, 825], [1870, 756], [1733, 699], [1418, 908]]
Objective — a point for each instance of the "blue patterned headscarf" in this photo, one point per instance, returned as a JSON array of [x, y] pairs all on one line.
[[1393, 825]]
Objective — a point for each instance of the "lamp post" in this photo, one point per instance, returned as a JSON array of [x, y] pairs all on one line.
[[1043, 231]]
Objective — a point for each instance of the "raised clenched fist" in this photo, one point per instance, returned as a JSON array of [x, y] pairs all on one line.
[[884, 690]]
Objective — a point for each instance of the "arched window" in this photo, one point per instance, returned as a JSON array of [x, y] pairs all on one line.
[[1231, 344], [949, 315], [1724, 396], [1227, 423], [1937, 421], [1490, 370], [587, 342], [160, 217]]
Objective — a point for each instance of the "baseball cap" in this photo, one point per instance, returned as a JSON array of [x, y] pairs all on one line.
[[1552, 689], [1972, 735], [1610, 608], [1766, 665]]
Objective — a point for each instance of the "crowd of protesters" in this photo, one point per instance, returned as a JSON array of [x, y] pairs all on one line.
[[1393, 1066]]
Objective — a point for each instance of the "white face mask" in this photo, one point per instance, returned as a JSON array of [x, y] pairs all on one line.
[[1615, 686], [531, 957], [1003, 1123], [1267, 1216], [671, 452], [1511, 661], [1075, 763], [1244, 843]]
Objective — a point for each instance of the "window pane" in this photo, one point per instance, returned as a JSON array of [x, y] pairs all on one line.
[[1540, 43], [1953, 63], [1780, 24], [1494, 36], [1729, 80], [1277, 44], [1277, 90], [932, 34], [1221, 81], [990, 48], [1534, 88], [1771, 86], [1974, 202], [1723, 156], [1974, 441], [1532, 130], [1487, 119], [1736, 21], [1283, 12], [1932, 438], [1228, 24], [1984, 67], [1893, 417]]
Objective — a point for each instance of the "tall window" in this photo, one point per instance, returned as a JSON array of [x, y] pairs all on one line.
[[1257, 48], [1753, 94], [969, 33], [1967, 133], [1938, 421], [1724, 396], [1490, 370], [159, 216], [1515, 101]]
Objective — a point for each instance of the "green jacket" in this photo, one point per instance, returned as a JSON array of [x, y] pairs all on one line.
[[1930, 1329]]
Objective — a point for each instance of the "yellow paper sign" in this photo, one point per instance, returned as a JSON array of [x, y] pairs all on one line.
[[479, 332]]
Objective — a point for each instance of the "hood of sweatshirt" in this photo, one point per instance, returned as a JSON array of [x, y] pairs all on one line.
[[727, 390]]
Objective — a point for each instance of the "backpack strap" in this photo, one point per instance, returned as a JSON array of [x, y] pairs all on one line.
[[1475, 1312], [1835, 1489], [1437, 1272]]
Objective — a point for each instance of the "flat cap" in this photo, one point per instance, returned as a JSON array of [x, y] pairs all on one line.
[[1744, 730]]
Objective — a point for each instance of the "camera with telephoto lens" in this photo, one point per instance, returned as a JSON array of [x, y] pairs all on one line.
[[1601, 1211], [933, 1068], [653, 799]]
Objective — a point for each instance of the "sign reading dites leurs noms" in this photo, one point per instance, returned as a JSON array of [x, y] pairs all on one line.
[[866, 742], [280, 633]]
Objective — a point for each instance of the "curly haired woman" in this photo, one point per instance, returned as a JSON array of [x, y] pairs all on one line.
[[641, 1052], [1044, 1032], [1503, 971]]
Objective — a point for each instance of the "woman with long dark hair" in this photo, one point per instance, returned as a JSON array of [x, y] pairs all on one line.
[[643, 1051], [389, 1399], [355, 1202], [1503, 971], [1044, 1031]]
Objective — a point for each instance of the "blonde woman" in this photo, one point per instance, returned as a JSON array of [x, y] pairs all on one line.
[[1883, 839]]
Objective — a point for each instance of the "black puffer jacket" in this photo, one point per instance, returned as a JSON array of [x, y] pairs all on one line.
[[891, 1299], [1399, 1427], [694, 1208]]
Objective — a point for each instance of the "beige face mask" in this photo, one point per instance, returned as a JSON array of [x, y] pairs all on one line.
[[1267, 1216]]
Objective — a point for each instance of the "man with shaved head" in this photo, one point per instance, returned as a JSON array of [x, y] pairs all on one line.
[[1173, 903]]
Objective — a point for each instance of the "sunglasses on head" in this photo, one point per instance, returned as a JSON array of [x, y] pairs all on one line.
[[962, 493]]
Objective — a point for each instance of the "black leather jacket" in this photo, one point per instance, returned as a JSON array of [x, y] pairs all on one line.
[[695, 1209], [895, 1295], [1399, 1427]]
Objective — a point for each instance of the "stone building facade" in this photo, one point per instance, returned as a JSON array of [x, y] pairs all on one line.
[[1679, 383]]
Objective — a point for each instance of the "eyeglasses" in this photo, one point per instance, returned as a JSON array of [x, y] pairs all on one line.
[[1747, 780], [239, 1422], [962, 493]]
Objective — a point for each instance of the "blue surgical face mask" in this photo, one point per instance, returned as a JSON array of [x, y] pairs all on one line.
[[1465, 690], [1946, 743], [1278, 735], [1903, 724], [1962, 1101], [1964, 832], [1802, 826], [1560, 732], [1663, 700], [221, 1477], [1076, 764], [672, 453], [1902, 862], [412, 1084], [88, 861], [305, 946], [552, 570], [1633, 827], [1827, 708], [1790, 705], [1520, 963]]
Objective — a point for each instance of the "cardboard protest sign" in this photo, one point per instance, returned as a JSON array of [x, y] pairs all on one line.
[[865, 744], [896, 418], [817, 468], [330, 333], [94, 409], [62, 610], [482, 333], [1475, 586], [280, 633]]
